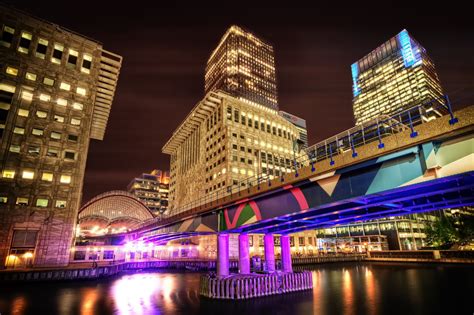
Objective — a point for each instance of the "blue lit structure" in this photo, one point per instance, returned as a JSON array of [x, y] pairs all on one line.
[[408, 54], [355, 75]]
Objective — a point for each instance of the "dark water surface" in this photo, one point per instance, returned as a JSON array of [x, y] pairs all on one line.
[[338, 289]]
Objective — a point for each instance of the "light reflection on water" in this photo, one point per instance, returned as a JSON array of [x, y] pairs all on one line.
[[338, 289]]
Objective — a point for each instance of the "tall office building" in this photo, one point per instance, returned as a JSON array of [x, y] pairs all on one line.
[[395, 76], [222, 142], [152, 189], [56, 91], [243, 66], [300, 125]]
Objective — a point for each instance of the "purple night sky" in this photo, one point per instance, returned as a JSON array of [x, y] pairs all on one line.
[[165, 51]]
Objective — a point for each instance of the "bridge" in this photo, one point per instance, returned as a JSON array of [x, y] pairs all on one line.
[[416, 161]]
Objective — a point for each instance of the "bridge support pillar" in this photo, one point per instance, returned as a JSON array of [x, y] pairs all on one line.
[[222, 255], [286, 265], [244, 258], [269, 252]]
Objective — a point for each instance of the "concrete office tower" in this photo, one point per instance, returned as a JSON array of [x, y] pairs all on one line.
[[56, 91], [243, 66], [395, 76]]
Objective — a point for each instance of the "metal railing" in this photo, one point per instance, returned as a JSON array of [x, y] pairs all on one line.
[[373, 131]]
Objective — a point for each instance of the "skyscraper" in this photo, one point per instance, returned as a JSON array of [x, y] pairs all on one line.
[[56, 91], [243, 66], [152, 189], [395, 76]]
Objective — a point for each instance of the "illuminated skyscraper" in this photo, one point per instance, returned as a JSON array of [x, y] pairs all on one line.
[[397, 75], [152, 189], [56, 91], [243, 66]]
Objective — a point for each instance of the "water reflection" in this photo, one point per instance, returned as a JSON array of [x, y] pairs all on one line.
[[338, 289]]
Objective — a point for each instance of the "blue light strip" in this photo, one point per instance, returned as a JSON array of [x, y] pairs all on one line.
[[355, 75], [408, 55]]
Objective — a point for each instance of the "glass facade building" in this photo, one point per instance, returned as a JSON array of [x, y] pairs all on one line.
[[395, 76], [56, 91], [243, 66]]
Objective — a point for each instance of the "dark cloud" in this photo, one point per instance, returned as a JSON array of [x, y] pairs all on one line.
[[165, 51]]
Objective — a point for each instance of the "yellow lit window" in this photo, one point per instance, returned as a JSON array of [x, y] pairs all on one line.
[[7, 88], [30, 76], [57, 53], [45, 97], [41, 114], [65, 86], [28, 174], [65, 179], [86, 63], [43, 203], [48, 177], [27, 96], [22, 201], [61, 203], [61, 101], [81, 91], [14, 148], [12, 71], [77, 106], [23, 112], [25, 42], [48, 81], [6, 39], [3, 200], [8, 174], [75, 122], [19, 131], [41, 48]]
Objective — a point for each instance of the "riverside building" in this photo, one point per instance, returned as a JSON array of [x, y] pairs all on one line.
[[56, 91], [152, 189]]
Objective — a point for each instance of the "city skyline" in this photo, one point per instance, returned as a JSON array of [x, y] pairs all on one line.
[[313, 75]]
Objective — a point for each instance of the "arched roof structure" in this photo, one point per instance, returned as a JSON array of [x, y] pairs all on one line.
[[112, 212]]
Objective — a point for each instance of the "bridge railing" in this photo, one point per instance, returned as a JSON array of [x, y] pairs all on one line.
[[373, 131]]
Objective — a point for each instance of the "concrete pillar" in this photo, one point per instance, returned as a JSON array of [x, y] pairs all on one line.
[[244, 258], [222, 255], [286, 265], [269, 252]]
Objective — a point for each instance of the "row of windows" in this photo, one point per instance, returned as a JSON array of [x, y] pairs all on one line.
[[57, 51], [39, 132], [217, 163], [63, 85], [29, 174], [75, 121], [255, 123], [33, 150], [40, 202], [215, 187]]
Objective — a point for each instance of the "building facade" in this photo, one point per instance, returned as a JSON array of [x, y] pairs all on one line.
[[56, 91], [397, 75], [152, 189], [222, 142], [243, 66], [300, 125]]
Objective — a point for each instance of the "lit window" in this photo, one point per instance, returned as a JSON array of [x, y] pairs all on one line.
[[45, 97], [72, 59], [14, 148], [52, 153], [19, 131], [77, 106], [28, 174], [7, 36], [75, 121], [23, 112], [41, 114], [27, 96], [55, 135], [22, 201], [3, 200], [37, 132], [58, 118], [8, 174], [86, 63], [33, 150], [41, 48], [12, 71], [25, 42], [48, 81], [65, 179], [65, 86], [43, 203], [81, 91], [47, 177], [57, 53], [61, 203], [61, 101], [30, 76], [7, 88], [68, 155]]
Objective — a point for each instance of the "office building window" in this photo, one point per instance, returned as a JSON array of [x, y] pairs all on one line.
[[57, 53], [23, 112], [55, 135], [77, 106], [7, 36], [58, 118], [3, 200], [42, 203], [68, 155], [15, 148], [33, 150], [25, 42], [19, 131], [47, 177], [52, 153], [37, 132], [12, 71], [75, 121], [86, 63], [81, 91], [65, 86], [22, 201], [61, 102], [28, 174], [41, 114], [65, 179], [61, 203], [72, 59], [30, 76], [48, 81], [8, 173], [41, 48]]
